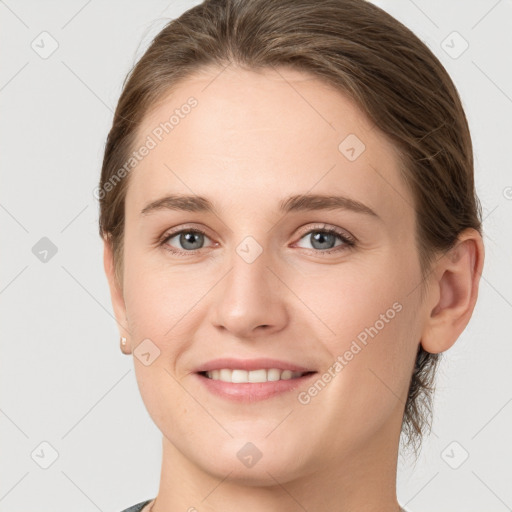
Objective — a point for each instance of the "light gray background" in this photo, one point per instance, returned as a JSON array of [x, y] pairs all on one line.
[[63, 378]]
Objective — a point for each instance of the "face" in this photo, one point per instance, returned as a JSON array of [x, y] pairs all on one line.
[[250, 279]]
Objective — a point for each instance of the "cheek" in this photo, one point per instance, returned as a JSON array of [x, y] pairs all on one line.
[[169, 406], [158, 296], [373, 334], [351, 299], [158, 310]]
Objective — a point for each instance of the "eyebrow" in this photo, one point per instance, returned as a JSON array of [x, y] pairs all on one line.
[[295, 203]]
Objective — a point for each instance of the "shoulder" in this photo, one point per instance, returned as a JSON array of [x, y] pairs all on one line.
[[138, 507]]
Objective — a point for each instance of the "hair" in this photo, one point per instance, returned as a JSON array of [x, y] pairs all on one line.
[[365, 53]]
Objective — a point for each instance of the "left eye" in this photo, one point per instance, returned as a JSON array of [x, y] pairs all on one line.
[[325, 239]]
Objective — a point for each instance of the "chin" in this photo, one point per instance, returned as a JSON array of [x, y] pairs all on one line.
[[253, 463]]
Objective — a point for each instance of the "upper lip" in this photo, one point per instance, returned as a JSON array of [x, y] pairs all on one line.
[[250, 364]]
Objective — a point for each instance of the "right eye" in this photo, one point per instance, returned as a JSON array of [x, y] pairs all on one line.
[[188, 240]]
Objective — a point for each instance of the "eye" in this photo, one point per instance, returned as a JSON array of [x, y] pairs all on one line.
[[324, 240], [320, 238], [184, 241]]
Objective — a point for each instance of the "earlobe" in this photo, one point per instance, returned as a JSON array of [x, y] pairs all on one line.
[[125, 348], [454, 293], [116, 294]]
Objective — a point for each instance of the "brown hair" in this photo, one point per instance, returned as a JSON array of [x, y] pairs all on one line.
[[364, 52]]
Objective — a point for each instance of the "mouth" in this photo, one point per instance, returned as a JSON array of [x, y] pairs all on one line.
[[251, 380], [239, 376]]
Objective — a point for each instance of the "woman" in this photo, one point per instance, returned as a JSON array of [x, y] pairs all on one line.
[[292, 237]]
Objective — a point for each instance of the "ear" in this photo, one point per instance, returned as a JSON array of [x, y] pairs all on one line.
[[453, 292], [116, 294]]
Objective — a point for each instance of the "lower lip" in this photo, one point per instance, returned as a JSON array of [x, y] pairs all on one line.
[[251, 391]]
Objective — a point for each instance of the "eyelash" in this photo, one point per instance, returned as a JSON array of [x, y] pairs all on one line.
[[348, 242]]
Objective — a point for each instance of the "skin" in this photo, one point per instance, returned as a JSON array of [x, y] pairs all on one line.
[[254, 139]]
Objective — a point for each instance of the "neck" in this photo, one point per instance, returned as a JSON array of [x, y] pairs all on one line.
[[363, 480]]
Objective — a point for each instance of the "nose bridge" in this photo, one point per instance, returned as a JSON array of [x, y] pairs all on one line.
[[250, 296]]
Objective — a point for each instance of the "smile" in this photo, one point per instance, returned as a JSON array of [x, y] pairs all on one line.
[[237, 376]]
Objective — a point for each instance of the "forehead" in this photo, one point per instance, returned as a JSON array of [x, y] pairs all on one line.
[[264, 133]]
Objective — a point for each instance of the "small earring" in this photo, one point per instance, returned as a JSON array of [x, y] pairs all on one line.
[[123, 341]]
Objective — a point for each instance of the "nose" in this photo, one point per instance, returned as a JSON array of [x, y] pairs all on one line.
[[251, 299]]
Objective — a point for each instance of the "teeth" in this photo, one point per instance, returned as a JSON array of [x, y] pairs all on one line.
[[239, 376], [257, 376], [286, 375], [273, 374], [242, 376]]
